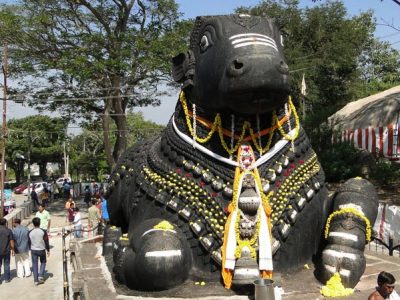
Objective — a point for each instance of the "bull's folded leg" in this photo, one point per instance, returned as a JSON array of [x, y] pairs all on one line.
[[347, 230], [157, 257]]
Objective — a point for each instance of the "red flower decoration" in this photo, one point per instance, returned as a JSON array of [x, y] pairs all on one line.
[[202, 183], [214, 194], [301, 161], [179, 171], [278, 183], [293, 165], [188, 175]]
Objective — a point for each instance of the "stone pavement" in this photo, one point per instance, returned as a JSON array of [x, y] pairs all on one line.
[[298, 286], [96, 280], [52, 289]]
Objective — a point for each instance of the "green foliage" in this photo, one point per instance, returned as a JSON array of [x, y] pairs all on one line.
[[386, 172], [341, 59], [340, 162], [38, 136], [87, 149], [108, 56]]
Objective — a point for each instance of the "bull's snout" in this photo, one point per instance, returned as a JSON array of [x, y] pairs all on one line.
[[240, 66]]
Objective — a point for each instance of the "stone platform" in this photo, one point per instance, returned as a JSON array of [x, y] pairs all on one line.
[[92, 278]]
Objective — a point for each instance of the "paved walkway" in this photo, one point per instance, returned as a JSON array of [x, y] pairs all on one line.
[[299, 286], [52, 289]]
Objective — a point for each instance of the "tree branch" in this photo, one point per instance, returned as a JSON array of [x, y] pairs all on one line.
[[96, 13]]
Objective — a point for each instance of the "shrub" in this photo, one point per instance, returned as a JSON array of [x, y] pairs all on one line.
[[386, 171], [340, 162]]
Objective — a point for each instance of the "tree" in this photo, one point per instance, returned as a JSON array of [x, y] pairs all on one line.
[[379, 66], [87, 149], [329, 48], [105, 56], [36, 137]]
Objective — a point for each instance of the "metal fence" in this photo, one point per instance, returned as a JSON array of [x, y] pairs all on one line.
[[391, 248]]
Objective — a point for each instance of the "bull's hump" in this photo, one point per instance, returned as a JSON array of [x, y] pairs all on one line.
[[245, 20]]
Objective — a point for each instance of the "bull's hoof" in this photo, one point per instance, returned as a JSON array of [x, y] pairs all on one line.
[[160, 259], [348, 262]]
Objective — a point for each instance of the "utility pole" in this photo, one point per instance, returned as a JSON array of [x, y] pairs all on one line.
[[4, 128], [29, 166]]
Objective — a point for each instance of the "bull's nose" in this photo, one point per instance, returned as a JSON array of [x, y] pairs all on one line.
[[236, 68]]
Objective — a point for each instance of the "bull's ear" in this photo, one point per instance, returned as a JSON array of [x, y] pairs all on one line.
[[178, 67], [183, 68]]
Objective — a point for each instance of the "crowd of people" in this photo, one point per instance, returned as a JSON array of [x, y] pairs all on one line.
[[19, 242], [32, 246], [97, 212]]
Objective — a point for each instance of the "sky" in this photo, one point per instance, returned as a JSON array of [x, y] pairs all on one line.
[[385, 12]]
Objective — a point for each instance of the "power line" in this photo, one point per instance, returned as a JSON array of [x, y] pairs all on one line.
[[82, 90]]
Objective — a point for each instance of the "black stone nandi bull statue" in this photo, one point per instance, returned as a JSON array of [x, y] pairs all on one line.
[[232, 186]]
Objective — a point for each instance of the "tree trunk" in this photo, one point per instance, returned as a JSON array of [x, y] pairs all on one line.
[[43, 170], [106, 133], [120, 120]]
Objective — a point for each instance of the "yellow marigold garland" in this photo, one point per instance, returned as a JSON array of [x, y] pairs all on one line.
[[335, 288], [297, 123], [349, 210], [217, 126]]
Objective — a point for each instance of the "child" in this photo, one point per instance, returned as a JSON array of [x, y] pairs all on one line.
[[71, 213]]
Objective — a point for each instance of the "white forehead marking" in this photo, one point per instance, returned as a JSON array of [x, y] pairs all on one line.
[[247, 39], [249, 34]]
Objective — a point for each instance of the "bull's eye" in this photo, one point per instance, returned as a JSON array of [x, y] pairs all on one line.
[[204, 43]]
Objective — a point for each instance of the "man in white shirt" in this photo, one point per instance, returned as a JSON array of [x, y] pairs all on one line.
[[77, 223]]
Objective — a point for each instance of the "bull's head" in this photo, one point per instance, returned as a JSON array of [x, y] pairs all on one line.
[[234, 62]]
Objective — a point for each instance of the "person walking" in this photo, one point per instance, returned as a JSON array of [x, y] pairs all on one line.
[[49, 187], [71, 213], [94, 216], [67, 189], [45, 218], [87, 195], [45, 197], [77, 223], [39, 245], [6, 248], [21, 245], [104, 211], [56, 192], [35, 199]]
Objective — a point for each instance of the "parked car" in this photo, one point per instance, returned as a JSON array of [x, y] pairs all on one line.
[[20, 188], [60, 181], [38, 186], [9, 206]]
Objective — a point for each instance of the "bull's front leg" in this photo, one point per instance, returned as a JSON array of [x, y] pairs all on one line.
[[153, 256], [347, 230]]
